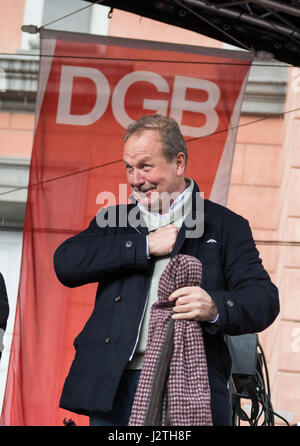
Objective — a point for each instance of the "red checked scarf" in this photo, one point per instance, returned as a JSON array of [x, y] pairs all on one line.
[[173, 389]]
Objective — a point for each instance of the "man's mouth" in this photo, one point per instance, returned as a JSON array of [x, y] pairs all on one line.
[[145, 191], [149, 191]]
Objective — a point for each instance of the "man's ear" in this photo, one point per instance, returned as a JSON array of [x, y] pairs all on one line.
[[180, 163]]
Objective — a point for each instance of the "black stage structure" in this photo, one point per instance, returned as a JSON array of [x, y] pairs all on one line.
[[271, 28]]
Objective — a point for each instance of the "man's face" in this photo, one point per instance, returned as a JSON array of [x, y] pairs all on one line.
[[148, 171]]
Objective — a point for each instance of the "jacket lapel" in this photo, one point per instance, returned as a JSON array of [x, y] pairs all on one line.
[[193, 225]]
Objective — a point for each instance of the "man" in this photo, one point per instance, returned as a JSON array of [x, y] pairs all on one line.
[[4, 311], [236, 295]]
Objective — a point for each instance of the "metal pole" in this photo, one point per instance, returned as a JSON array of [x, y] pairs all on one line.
[[271, 26], [278, 7]]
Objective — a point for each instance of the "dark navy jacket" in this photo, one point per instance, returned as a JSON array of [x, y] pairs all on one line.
[[115, 257], [4, 309]]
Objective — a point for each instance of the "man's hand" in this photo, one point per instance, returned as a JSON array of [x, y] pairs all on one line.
[[162, 241], [193, 303]]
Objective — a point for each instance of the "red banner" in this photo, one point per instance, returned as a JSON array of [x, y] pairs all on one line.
[[90, 89]]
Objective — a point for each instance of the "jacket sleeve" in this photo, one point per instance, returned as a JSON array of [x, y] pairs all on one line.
[[250, 302], [4, 307], [96, 252]]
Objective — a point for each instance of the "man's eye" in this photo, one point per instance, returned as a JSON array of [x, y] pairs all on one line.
[[146, 167]]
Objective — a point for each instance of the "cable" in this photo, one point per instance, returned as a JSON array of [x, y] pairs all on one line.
[[33, 29], [264, 118], [120, 160], [265, 367], [277, 242], [39, 183], [258, 391], [71, 13], [121, 59]]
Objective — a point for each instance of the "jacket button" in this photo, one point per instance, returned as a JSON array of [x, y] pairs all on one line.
[[128, 244], [107, 340], [117, 299], [229, 303]]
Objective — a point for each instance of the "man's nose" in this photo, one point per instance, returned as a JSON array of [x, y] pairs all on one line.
[[137, 178]]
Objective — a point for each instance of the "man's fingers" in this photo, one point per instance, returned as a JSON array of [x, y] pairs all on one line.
[[193, 303], [162, 241], [182, 308], [178, 293], [189, 315]]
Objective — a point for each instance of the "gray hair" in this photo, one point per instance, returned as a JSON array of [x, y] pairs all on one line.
[[170, 134]]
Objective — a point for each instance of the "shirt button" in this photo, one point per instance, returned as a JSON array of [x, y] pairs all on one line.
[[117, 299], [128, 244], [229, 303], [107, 340]]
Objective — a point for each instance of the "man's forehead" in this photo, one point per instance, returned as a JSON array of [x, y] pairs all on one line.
[[144, 145], [136, 155]]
